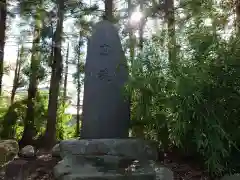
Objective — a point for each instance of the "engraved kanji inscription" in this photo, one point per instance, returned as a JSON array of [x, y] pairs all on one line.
[[103, 75], [104, 49]]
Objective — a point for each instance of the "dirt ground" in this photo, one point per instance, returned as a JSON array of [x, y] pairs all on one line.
[[41, 168], [36, 168]]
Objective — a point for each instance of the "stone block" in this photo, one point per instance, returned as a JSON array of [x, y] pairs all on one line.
[[132, 148]]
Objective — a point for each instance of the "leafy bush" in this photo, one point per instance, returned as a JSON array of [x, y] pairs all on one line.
[[12, 121], [198, 109]]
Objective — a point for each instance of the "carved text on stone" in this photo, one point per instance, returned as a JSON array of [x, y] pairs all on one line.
[[104, 49]]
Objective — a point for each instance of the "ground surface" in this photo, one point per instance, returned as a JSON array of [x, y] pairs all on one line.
[[37, 168], [41, 168]]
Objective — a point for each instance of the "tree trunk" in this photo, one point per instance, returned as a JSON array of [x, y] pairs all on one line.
[[170, 18], [16, 74], [141, 27], [131, 34], [50, 134], [238, 16], [29, 129], [78, 90], [66, 77], [64, 97], [3, 18], [109, 10]]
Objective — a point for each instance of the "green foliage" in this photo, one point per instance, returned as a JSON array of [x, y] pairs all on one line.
[[3, 112], [41, 74], [198, 111], [64, 131], [12, 119]]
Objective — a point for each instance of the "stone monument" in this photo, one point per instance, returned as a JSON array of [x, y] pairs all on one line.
[[106, 112], [104, 151]]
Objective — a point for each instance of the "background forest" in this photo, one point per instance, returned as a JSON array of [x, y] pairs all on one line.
[[184, 59]]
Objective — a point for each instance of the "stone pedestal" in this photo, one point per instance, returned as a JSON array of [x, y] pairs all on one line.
[[106, 159]]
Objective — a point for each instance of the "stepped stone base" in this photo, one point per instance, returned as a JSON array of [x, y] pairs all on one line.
[[106, 159]]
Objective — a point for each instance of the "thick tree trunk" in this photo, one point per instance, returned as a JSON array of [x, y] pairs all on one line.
[[50, 134], [29, 129], [3, 18]]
